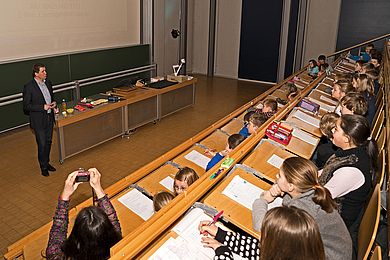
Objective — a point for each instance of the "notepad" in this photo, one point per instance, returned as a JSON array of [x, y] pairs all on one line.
[[304, 136], [326, 99], [137, 202], [275, 161], [198, 158], [245, 193], [306, 118], [167, 182]]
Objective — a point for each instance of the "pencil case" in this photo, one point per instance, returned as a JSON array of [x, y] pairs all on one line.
[[309, 105], [279, 133]]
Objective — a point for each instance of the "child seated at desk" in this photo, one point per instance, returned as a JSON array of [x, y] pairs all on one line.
[[326, 148], [359, 66], [312, 68], [340, 88], [287, 233], [233, 141], [364, 85], [269, 108], [297, 182], [364, 55], [254, 122], [354, 104], [321, 59], [161, 199], [183, 179], [323, 69]]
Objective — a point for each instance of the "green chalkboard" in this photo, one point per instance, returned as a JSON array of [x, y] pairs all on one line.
[[89, 64], [14, 75], [65, 68]]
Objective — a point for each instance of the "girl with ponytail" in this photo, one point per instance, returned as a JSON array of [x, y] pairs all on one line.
[[298, 184]]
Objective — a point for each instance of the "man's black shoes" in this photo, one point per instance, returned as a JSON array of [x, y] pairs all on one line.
[[45, 173], [51, 168]]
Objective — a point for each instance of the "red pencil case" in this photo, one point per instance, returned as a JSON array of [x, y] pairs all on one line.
[[89, 105], [279, 133]]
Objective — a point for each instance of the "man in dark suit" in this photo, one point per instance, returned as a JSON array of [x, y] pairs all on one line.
[[39, 104]]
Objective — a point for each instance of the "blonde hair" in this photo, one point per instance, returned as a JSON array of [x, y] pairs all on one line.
[[327, 123], [290, 233], [364, 84], [161, 199], [345, 86], [304, 175], [186, 174]]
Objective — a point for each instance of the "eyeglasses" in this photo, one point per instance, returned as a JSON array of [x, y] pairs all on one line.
[[179, 188]]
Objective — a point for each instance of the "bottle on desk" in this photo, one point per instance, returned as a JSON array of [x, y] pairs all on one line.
[[63, 106]]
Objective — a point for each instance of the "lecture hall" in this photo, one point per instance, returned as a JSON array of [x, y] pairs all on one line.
[[194, 129]]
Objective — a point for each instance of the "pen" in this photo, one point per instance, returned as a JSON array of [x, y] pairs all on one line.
[[214, 175], [215, 219]]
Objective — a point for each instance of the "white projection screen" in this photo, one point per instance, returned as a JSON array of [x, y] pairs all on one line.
[[33, 28]]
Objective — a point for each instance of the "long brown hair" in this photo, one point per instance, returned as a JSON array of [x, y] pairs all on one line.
[[304, 175], [290, 233]]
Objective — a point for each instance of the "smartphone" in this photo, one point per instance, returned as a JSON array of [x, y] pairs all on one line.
[[82, 176]]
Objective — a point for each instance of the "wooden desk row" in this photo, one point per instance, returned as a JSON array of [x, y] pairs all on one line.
[[83, 130], [254, 166], [139, 232]]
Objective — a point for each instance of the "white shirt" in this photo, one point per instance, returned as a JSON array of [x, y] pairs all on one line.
[[345, 180]]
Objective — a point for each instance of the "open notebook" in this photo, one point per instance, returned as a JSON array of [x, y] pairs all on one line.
[[187, 245]]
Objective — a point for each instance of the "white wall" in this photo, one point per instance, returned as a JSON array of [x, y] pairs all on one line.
[[198, 34], [32, 28], [228, 29], [321, 29]]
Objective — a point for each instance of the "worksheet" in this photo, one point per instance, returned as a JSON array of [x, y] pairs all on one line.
[[137, 202]]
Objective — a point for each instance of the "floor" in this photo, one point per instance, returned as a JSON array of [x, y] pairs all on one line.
[[28, 199]]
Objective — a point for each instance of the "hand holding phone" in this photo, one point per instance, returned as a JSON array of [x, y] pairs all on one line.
[[82, 176]]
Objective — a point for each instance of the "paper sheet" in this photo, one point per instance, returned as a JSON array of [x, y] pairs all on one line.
[[177, 249], [187, 228], [198, 158], [304, 136], [245, 193], [242, 191], [324, 106], [167, 182], [307, 119], [326, 99], [138, 203], [259, 106], [275, 161]]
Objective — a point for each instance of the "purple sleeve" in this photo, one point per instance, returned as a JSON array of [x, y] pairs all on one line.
[[58, 230], [106, 205]]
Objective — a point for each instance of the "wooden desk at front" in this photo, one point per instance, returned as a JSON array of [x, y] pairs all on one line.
[[84, 130]]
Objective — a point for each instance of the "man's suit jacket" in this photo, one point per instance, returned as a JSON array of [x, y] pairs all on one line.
[[33, 103]]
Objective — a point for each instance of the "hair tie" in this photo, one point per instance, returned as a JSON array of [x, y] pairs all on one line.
[[369, 138], [317, 186]]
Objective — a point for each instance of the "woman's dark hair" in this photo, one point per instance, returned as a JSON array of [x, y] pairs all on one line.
[[356, 127], [92, 236], [304, 175], [314, 63], [290, 233]]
